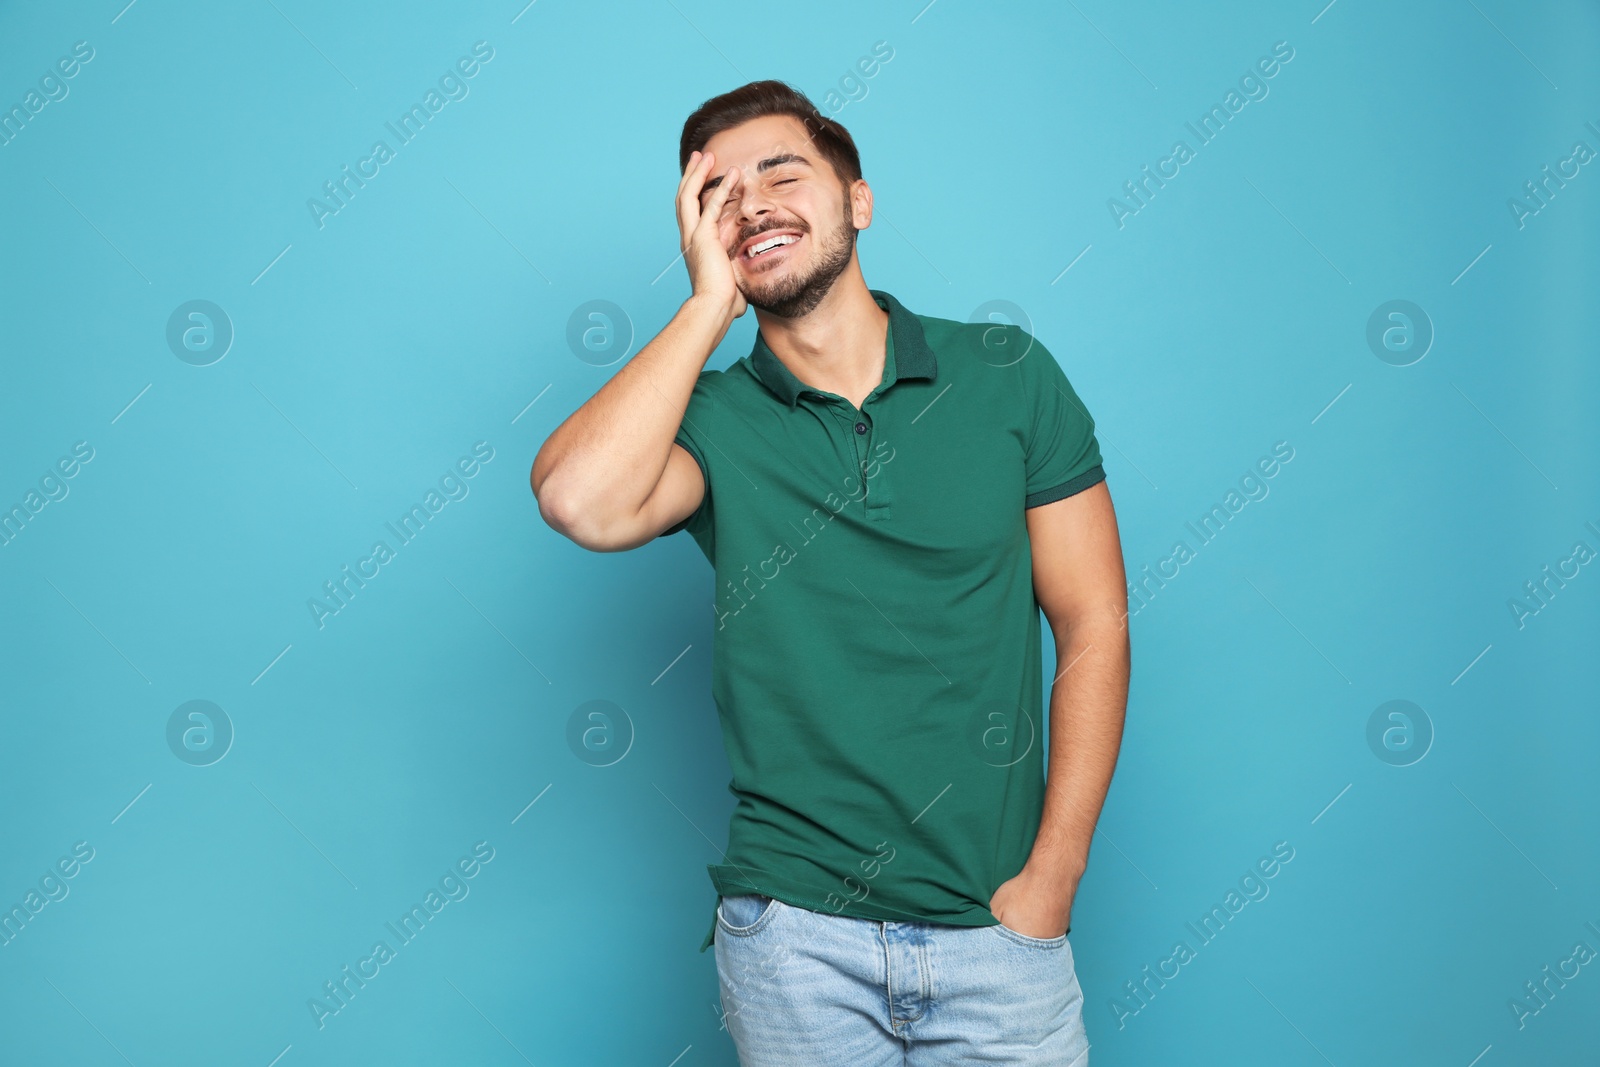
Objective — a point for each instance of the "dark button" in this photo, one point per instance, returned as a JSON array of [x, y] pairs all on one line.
[[861, 427]]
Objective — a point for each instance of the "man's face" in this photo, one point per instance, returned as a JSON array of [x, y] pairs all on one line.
[[786, 187]]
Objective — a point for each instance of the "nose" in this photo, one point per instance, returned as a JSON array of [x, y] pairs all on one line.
[[753, 201]]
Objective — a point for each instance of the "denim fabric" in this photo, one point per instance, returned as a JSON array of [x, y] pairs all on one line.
[[802, 988]]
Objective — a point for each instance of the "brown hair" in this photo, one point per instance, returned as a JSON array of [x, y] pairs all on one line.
[[757, 99]]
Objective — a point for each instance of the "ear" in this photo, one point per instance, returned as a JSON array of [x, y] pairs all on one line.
[[860, 204]]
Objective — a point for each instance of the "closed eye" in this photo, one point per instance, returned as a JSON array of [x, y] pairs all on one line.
[[734, 199]]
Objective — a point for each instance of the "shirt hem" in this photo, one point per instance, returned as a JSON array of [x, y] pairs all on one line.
[[732, 880]]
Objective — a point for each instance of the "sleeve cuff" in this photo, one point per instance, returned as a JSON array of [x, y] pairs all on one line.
[[705, 477], [1083, 481]]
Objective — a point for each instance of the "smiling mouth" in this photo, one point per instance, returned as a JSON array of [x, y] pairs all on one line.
[[770, 247]]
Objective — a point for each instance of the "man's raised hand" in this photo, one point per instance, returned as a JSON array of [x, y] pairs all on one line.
[[710, 268]]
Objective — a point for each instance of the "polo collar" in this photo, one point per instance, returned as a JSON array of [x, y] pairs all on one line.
[[912, 358]]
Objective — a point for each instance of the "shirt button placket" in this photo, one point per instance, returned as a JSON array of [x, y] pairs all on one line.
[[858, 439], [878, 500]]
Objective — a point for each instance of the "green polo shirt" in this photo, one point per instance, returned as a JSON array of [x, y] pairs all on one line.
[[876, 660]]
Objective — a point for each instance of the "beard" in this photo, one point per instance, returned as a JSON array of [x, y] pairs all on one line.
[[798, 291]]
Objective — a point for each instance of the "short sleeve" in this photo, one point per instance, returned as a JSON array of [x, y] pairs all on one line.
[[690, 430], [1063, 456]]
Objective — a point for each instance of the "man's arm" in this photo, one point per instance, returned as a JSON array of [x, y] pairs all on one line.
[[611, 477], [1078, 580]]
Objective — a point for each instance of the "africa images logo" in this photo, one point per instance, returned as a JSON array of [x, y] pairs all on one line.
[[452, 85], [453, 886]]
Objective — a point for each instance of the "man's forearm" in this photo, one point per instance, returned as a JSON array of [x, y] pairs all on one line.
[[1087, 705], [606, 458]]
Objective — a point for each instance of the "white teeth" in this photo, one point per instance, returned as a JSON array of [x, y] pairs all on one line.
[[783, 239]]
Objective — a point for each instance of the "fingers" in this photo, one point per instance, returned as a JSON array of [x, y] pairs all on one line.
[[713, 208], [689, 187], [696, 163], [692, 185]]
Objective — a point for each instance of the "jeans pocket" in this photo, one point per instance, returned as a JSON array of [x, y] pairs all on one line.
[[745, 913], [1059, 941]]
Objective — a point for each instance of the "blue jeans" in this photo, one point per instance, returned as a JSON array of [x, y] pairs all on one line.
[[804, 988]]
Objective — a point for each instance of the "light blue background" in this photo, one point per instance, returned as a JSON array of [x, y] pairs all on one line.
[[431, 313]]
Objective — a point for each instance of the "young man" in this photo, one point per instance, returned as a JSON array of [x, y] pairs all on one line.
[[887, 500]]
